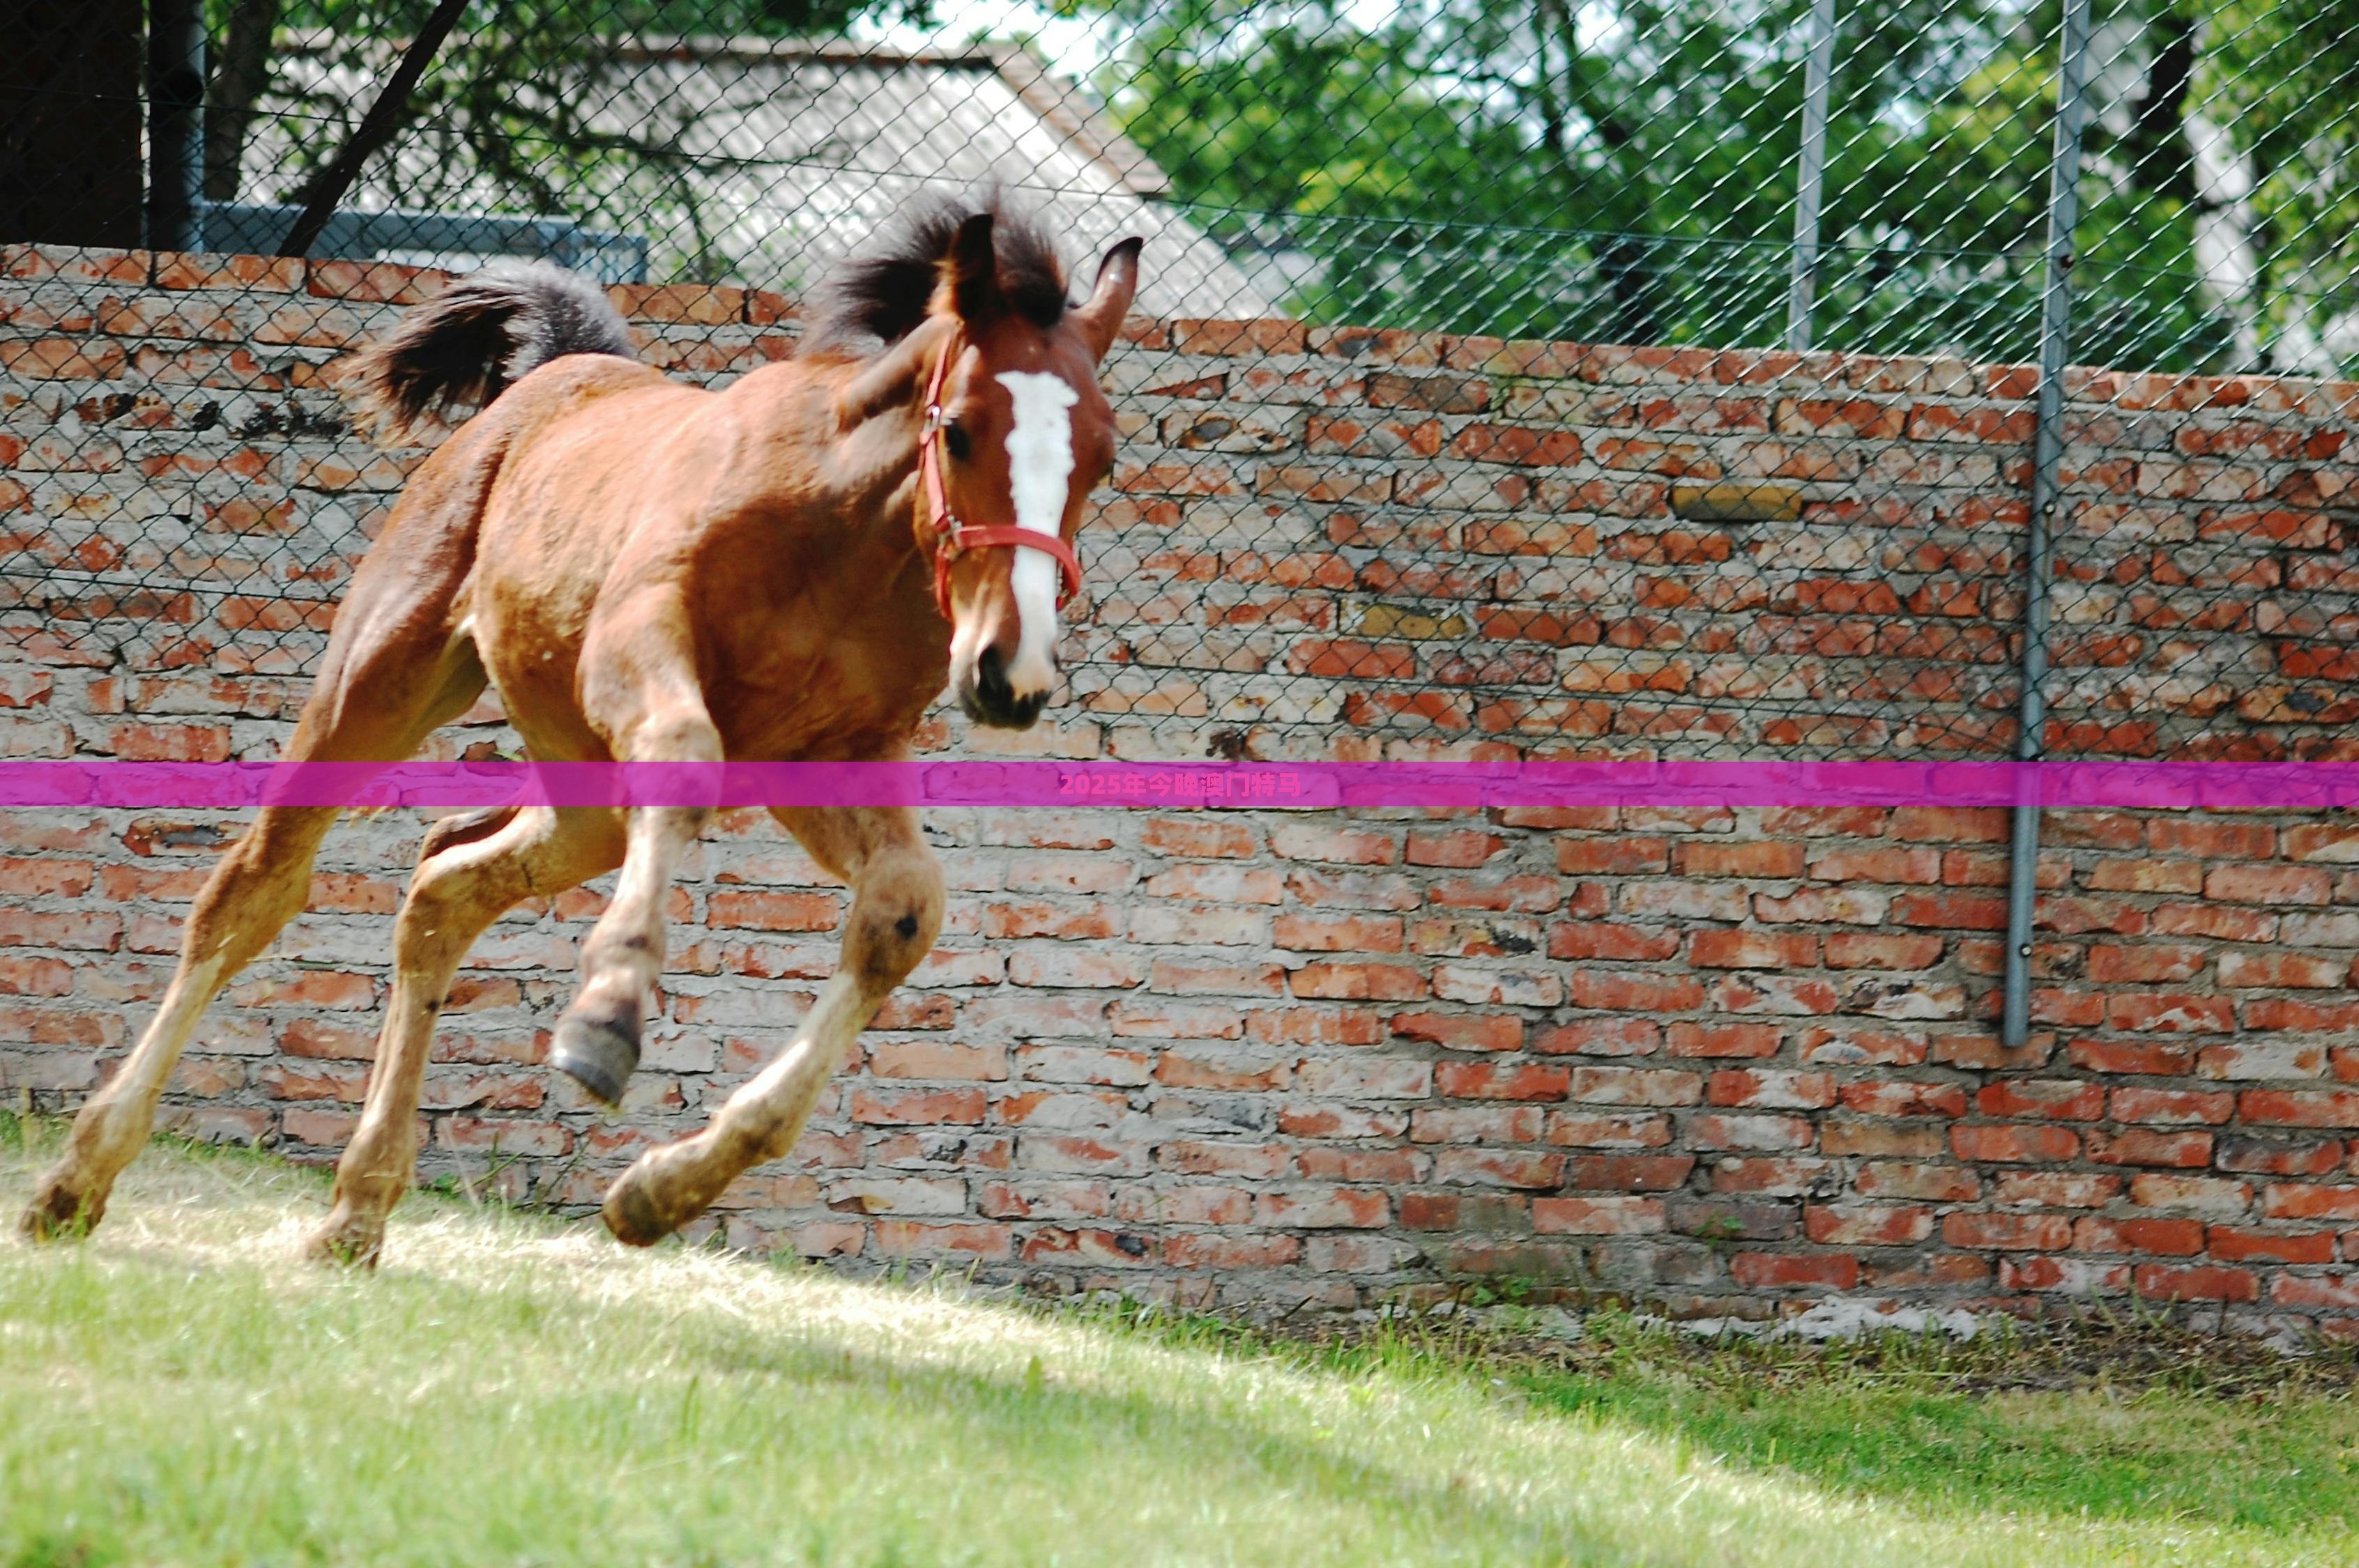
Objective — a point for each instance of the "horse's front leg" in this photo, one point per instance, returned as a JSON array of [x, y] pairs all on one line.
[[645, 699], [896, 909]]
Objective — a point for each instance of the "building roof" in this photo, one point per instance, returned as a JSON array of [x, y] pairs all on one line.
[[772, 159]]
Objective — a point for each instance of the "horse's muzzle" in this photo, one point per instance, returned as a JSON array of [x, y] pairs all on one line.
[[986, 697]]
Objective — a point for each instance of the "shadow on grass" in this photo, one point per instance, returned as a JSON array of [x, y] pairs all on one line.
[[1849, 1427]]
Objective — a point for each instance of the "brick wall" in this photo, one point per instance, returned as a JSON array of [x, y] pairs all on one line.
[[1719, 1060]]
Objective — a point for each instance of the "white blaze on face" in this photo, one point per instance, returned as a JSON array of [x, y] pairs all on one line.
[[1040, 465]]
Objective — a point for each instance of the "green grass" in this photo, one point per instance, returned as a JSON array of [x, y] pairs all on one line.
[[509, 1388]]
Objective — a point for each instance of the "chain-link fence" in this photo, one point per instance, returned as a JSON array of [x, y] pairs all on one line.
[[1815, 542]]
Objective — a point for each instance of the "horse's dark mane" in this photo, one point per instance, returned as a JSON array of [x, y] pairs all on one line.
[[878, 295]]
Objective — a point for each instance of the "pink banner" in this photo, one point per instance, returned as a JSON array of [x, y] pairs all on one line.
[[2218, 786]]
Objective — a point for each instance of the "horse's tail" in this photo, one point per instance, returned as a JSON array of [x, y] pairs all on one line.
[[470, 341]]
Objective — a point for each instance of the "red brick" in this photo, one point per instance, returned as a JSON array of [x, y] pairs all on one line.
[[1196, 836], [1770, 858], [1768, 1269], [2146, 964], [1771, 1090], [2301, 1107], [1460, 848], [774, 910], [1631, 992], [2047, 1271], [1358, 982], [1756, 1132], [2169, 1237], [2181, 1150], [2281, 1156], [1338, 932], [1477, 1124], [2338, 1291], [1901, 1098], [1951, 825], [1608, 1130], [1882, 1140], [917, 1107], [2013, 1232], [2171, 1106], [2270, 971], [1725, 948], [1770, 1175], [1635, 1086], [2162, 1282], [1724, 1039], [1612, 856], [1867, 1226], [2203, 1195], [1462, 1032], [1630, 1173], [2059, 1099], [2148, 1012], [2214, 840], [2268, 884], [2054, 1189], [1882, 950], [1602, 1037], [2234, 1245], [2123, 875], [2040, 1145], [1969, 911], [1340, 846], [1590, 939], [2291, 1200], [1931, 1183], [1498, 1167], [2132, 1056], [1499, 1080], [1610, 1215], [1323, 1208]]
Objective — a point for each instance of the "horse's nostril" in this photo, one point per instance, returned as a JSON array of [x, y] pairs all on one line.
[[990, 675]]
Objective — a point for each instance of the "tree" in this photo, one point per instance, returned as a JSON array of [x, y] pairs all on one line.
[[1626, 169], [511, 99]]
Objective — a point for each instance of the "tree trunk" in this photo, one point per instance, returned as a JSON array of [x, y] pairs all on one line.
[[237, 84]]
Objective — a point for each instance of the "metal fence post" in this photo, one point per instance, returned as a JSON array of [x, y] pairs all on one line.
[[1817, 80], [175, 122], [2047, 454]]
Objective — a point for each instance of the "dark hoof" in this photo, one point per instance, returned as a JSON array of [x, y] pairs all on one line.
[[631, 1215], [56, 1214], [599, 1054]]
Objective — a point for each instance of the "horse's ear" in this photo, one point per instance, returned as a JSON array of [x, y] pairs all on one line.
[[1109, 302], [973, 270]]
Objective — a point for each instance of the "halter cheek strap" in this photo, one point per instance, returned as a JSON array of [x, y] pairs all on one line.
[[953, 537]]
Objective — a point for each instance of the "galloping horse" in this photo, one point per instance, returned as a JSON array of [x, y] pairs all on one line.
[[652, 572]]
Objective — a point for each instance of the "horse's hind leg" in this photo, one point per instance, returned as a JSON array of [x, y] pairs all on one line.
[[258, 886], [470, 872], [897, 908]]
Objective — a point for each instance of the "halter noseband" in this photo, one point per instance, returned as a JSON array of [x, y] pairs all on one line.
[[952, 537]]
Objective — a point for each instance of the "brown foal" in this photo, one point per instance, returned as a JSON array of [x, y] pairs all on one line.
[[649, 571]]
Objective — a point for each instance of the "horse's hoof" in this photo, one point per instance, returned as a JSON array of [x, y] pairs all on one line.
[[346, 1242], [598, 1053], [631, 1214], [59, 1214]]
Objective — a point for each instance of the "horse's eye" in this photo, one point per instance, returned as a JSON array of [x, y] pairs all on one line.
[[954, 437]]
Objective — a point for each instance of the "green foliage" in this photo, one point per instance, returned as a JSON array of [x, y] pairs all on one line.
[[2281, 79], [1628, 171]]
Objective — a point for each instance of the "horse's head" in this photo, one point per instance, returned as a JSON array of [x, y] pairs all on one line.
[[1017, 435]]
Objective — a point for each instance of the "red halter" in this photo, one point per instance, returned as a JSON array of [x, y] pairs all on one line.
[[953, 537]]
